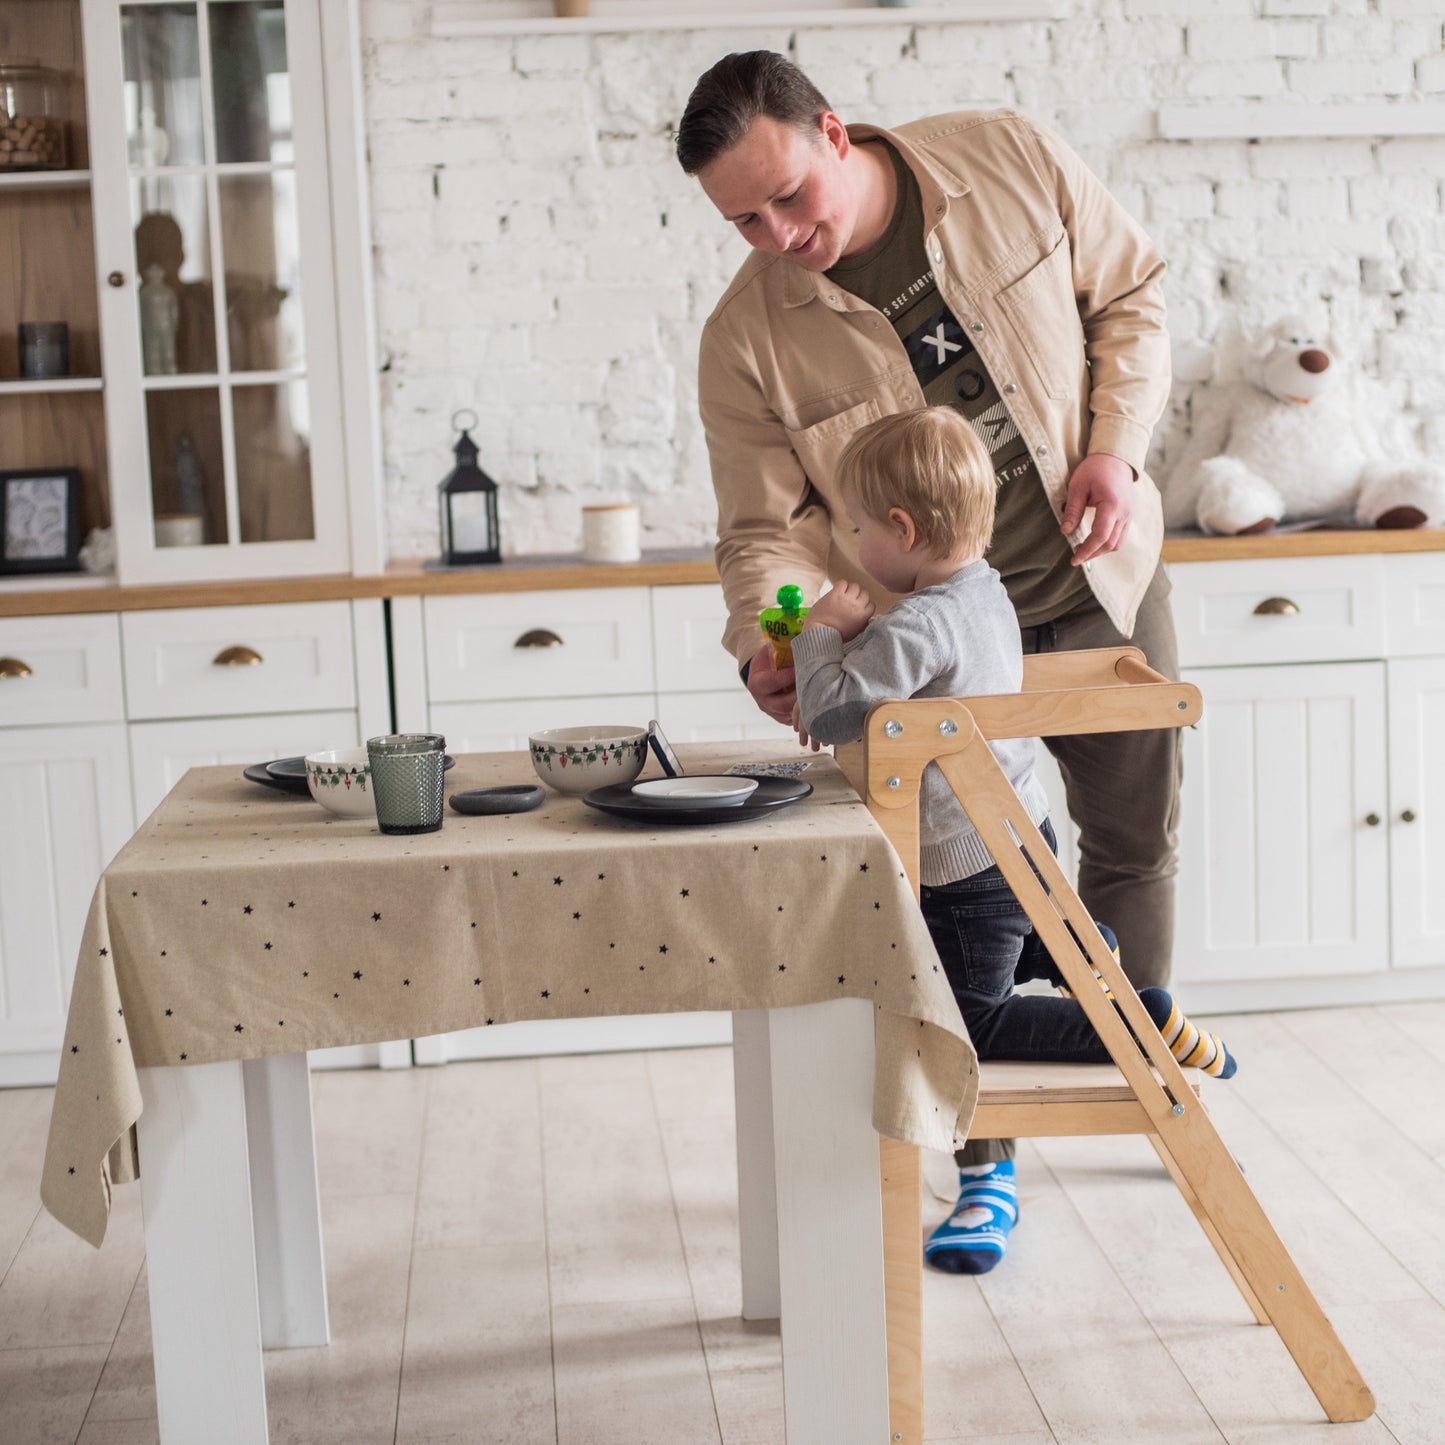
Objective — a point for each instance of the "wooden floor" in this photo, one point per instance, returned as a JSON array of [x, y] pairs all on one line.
[[545, 1250]]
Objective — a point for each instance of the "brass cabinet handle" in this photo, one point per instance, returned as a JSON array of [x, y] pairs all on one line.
[[14, 667], [1277, 607], [1372, 820], [538, 637], [237, 657], [1408, 816]]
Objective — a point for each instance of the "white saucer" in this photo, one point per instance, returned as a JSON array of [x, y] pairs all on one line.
[[693, 792]]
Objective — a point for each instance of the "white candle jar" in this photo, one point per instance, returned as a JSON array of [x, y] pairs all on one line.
[[611, 532]]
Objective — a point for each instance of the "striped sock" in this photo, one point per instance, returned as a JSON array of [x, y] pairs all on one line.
[[1189, 1044], [974, 1236]]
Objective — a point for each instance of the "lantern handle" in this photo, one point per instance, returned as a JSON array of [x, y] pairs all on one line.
[[459, 424]]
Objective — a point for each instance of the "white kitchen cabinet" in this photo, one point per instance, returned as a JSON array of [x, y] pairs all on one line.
[[1313, 815], [67, 811], [1416, 820]]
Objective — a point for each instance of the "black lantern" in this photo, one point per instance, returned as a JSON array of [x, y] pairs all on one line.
[[470, 533]]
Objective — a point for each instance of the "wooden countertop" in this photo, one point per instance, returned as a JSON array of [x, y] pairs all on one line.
[[38, 597]]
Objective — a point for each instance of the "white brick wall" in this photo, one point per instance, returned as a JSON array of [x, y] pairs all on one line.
[[541, 259]]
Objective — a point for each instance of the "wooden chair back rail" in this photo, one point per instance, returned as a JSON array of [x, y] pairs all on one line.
[[1108, 690]]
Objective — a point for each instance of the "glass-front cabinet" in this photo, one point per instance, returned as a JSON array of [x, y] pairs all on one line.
[[178, 323], [213, 242]]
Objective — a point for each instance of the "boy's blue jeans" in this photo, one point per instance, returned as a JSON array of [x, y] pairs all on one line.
[[986, 943]]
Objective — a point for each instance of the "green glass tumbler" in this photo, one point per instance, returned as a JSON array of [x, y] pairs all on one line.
[[407, 772]]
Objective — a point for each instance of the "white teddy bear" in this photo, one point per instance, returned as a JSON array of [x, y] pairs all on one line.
[[1292, 443]]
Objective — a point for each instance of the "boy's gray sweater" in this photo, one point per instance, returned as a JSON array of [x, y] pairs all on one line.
[[959, 638]]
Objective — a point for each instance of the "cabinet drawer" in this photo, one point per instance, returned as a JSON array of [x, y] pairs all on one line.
[[1415, 604], [1287, 609], [176, 663], [478, 649], [73, 670], [687, 629]]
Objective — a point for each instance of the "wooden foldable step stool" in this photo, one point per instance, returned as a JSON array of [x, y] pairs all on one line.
[[1109, 690]]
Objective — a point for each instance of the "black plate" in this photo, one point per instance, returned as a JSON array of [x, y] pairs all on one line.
[[257, 773], [770, 793]]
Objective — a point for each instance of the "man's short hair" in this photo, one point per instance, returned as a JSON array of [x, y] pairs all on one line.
[[933, 465], [728, 98]]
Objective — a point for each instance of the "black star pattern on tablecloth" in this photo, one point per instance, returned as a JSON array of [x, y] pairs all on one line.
[[247, 909]]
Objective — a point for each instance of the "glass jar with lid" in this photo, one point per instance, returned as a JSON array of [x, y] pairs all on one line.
[[32, 131]]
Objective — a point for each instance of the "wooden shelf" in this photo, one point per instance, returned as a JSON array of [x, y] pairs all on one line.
[[44, 180], [27, 387], [526, 17]]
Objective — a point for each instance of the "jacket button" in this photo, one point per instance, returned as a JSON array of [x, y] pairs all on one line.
[[938, 256], [1043, 451], [907, 396], [832, 299], [1009, 388], [975, 326]]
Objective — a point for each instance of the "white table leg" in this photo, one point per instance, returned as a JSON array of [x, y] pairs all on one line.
[[285, 1201], [830, 1224], [757, 1185], [200, 1256]]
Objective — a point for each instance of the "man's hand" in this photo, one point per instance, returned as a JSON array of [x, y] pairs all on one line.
[[771, 686], [847, 607], [1106, 484]]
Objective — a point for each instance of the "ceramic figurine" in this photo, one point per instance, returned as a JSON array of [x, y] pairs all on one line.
[[159, 313]]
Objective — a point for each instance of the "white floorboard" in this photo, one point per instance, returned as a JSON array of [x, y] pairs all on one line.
[[545, 1253]]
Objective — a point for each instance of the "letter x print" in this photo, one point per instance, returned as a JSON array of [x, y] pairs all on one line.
[[942, 343]]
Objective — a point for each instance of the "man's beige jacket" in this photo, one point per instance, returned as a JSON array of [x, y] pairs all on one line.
[[1061, 293]]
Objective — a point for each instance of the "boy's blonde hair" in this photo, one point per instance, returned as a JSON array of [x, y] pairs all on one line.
[[933, 465]]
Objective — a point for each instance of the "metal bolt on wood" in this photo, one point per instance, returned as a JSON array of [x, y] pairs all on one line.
[[947, 727], [894, 783], [893, 728]]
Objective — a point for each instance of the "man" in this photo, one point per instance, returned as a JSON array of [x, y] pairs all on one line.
[[969, 259]]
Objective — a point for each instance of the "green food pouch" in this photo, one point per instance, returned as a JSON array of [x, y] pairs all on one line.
[[781, 624]]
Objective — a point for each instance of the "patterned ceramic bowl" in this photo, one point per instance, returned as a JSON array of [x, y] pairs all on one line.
[[341, 782], [576, 760]]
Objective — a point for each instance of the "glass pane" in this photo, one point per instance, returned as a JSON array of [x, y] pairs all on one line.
[[188, 490], [173, 261], [250, 81], [162, 51], [261, 247], [273, 462]]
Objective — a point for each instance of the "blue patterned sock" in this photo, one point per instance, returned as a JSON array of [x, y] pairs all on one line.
[[973, 1238]]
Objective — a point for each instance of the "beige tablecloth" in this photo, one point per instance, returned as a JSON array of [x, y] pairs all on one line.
[[240, 922]]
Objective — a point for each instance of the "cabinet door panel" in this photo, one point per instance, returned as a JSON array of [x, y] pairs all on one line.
[[687, 627], [74, 671], [1415, 604], [163, 751], [715, 717], [67, 811], [1417, 787], [1280, 873]]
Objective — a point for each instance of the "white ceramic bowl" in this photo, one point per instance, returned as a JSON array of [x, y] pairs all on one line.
[[340, 781], [576, 760]]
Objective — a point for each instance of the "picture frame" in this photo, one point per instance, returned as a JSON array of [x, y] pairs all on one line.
[[39, 520]]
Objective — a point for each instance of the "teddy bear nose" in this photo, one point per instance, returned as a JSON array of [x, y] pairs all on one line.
[[1314, 361]]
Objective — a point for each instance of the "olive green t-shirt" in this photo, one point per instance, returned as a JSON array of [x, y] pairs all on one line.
[[1029, 551]]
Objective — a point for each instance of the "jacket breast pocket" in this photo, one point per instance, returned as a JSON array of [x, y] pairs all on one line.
[[1044, 312], [819, 446]]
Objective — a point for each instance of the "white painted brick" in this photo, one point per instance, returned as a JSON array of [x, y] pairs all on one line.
[[1091, 41], [964, 46], [1235, 40], [1412, 155], [1189, 200], [1387, 195], [1187, 9], [1216, 78], [391, 20], [1094, 128], [1249, 200], [899, 89], [1424, 273], [1426, 9], [1315, 7], [1414, 236], [1286, 159], [667, 300], [1376, 37], [1325, 79], [1317, 198], [821, 52], [638, 470], [567, 56], [1184, 160], [1430, 74]]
